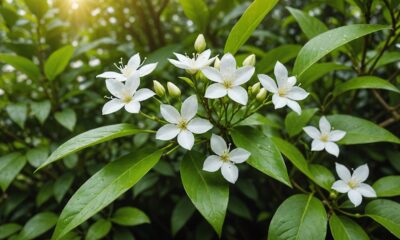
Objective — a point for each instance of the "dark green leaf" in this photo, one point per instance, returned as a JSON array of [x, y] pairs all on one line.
[[37, 225], [365, 82], [343, 228], [239, 208], [9, 229], [9, 16], [282, 54], [62, 185], [98, 230], [197, 11], [22, 64], [58, 61], [129, 216], [386, 213], [181, 214], [318, 71], [41, 110], [37, 156], [37, 7], [387, 186], [45, 193], [18, 113], [67, 118], [294, 123], [311, 26], [10, 166]]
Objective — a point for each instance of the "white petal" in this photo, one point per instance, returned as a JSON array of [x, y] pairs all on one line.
[[332, 148], [115, 87], [182, 58], [313, 132], [132, 83], [324, 125], [238, 94], [203, 58], [134, 62], [112, 75], [212, 73], [279, 102], [281, 74], [169, 113], [291, 81], [112, 106], [230, 172], [228, 65], [343, 172], [132, 107], [143, 94], [189, 107], [361, 173], [199, 125], [336, 135], [216, 90], [243, 75], [167, 132], [341, 186], [268, 83], [147, 69], [366, 190], [294, 106], [355, 197], [186, 139], [317, 145], [212, 163], [218, 144], [239, 155], [178, 64], [297, 93]]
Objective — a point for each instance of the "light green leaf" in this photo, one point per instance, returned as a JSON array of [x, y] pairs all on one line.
[[99, 229], [37, 156], [181, 214], [10, 166], [299, 217], [318, 71], [322, 176], [62, 185], [18, 113], [386, 213], [197, 11], [9, 229], [91, 138], [209, 192], [359, 130], [294, 123], [321, 45], [387, 58], [45, 193], [37, 7], [104, 187], [258, 119], [265, 156], [310, 25], [343, 228], [387, 186], [9, 15], [58, 61], [67, 118], [22, 64], [129, 216], [37, 225], [364, 82], [41, 110], [282, 54], [247, 23]]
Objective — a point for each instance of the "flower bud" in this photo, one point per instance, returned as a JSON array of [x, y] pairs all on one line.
[[332, 195], [250, 61], [217, 63], [200, 43], [261, 95], [255, 88], [158, 88], [173, 90]]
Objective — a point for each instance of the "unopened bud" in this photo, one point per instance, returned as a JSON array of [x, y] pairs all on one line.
[[217, 63], [173, 90], [332, 195], [200, 43], [158, 88], [250, 61], [261, 95], [255, 88]]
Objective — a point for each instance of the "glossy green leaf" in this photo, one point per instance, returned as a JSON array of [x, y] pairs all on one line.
[[58, 61], [386, 213], [282, 54], [321, 45], [310, 25], [41, 110], [37, 225], [62, 185], [104, 187], [209, 192], [239, 208], [91, 138], [197, 11], [322, 176], [129, 216], [364, 82], [257, 119], [10, 166], [37, 156], [67, 118], [359, 130], [44, 194], [318, 71], [265, 156], [300, 217], [22, 64], [247, 23], [181, 214], [37, 7], [18, 113], [387, 58], [9, 229], [387, 186], [98, 230], [343, 228], [294, 123]]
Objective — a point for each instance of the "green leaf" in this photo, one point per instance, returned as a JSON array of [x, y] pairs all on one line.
[[22, 64], [387, 58], [18, 113], [359, 130], [181, 214], [209, 192], [265, 156], [282, 54], [9, 16], [386, 213], [45, 193], [37, 156], [9, 229], [10, 166], [58, 61], [67, 118], [37, 7], [318, 71], [91, 138], [41, 110], [247, 23], [294, 123], [321, 45], [364, 82], [99, 229], [239, 208], [129, 216], [311, 26], [343, 228], [258, 119], [197, 11], [387, 186], [299, 217], [322, 176], [62, 185], [37, 225], [104, 187]]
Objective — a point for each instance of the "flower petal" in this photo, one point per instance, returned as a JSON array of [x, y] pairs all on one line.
[[182, 58], [243, 75], [134, 62], [268, 83], [203, 59], [291, 81], [341, 186], [112, 75], [324, 125], [147, 69], [143, 94], [281, 74], [218, 144], [294, 106], [182, 65], [297, 93], [238, 94], [112, 106], [336, 135], [199, 125], [366, 190], [189, 108], [343, 172], [228, 65], [186, 139], [332, 148], [361, 173], [239, 155], [313, 132], [132, 107], [317, 145], [216, 90], [212, 73], [132, 83], [279, 102], [115, 87], [167, 132], [212, 163], [169, 113], [230, 172], [355, 197]]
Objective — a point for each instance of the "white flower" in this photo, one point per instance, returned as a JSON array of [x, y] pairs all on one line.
[[228, 80], [134, 65], [192, 65], [353, 184], [285, 93], [182, 124], [126, 95], [324, 138], [225, 159]]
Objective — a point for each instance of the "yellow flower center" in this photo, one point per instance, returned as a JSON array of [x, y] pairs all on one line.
[[127, 99], [353, 184], [227, 84], [324, 137], [282, 92], [182, 124], [225, 156]]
